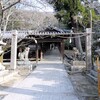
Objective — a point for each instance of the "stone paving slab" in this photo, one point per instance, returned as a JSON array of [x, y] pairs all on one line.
[[48, 82]]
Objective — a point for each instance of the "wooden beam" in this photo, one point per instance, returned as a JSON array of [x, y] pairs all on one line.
[[41, 53], [49, 40]]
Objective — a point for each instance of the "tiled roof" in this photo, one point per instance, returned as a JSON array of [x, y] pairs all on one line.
[[23, 34]]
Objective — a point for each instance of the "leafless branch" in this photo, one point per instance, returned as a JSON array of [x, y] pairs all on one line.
[[41, 3], [11, 5], [30, 5]]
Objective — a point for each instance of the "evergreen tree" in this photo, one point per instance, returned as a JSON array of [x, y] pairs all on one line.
[[67, 12]]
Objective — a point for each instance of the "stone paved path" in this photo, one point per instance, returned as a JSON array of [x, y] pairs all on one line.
[[49, 81]]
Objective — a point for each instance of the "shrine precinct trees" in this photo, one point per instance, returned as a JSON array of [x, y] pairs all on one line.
[[66, 10], [5, 11], [69, 11]]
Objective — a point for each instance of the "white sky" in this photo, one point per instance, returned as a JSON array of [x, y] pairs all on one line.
[[40, 6], [43, 6]]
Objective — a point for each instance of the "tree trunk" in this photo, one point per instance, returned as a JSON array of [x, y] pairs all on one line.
[[78, 39], [78, 44], [5, 21]]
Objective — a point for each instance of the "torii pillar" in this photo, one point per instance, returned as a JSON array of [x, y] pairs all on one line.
[[88, 49], [14, 49]]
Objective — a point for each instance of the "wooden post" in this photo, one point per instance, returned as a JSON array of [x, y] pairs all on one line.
[[62, 50], [14, 49], [88, 49], [98, 76], [50, 46], [37, 53], [41, 53]]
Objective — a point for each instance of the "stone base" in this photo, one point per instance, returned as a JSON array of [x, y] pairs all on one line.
[[7, 75], [2, 67], [77, 68], [26, 64], [78, 65]]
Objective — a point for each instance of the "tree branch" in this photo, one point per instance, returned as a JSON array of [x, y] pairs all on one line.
[[11, 5], [30, 5]]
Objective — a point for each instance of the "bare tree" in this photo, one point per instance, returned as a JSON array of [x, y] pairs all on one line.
[[31, 17], [22, 19], [5, 11]]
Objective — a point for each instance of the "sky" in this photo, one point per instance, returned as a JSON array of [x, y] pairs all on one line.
[[38, 5]]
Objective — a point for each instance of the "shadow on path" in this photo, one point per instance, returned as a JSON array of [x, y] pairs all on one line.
[[49, 81]]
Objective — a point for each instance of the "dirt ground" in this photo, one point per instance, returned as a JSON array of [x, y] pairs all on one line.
[[84, 88]]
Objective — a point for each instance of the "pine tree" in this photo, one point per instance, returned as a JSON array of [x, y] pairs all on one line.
[[67, 10]]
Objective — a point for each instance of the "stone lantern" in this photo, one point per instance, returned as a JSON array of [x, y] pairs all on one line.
[[1, 52]]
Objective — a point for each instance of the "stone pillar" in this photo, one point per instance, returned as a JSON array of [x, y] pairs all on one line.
[[14, 49], [88, 49]]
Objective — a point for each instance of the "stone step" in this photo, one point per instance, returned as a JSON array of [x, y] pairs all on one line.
[[93, 79], [94, 73], [6, 63], [8, 76], [77, 68], [79, 63], [3, 72]]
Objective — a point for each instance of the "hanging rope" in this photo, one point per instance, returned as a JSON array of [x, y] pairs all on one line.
[[74, 36]]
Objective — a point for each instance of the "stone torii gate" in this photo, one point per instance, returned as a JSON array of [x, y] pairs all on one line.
[[42, 37]]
